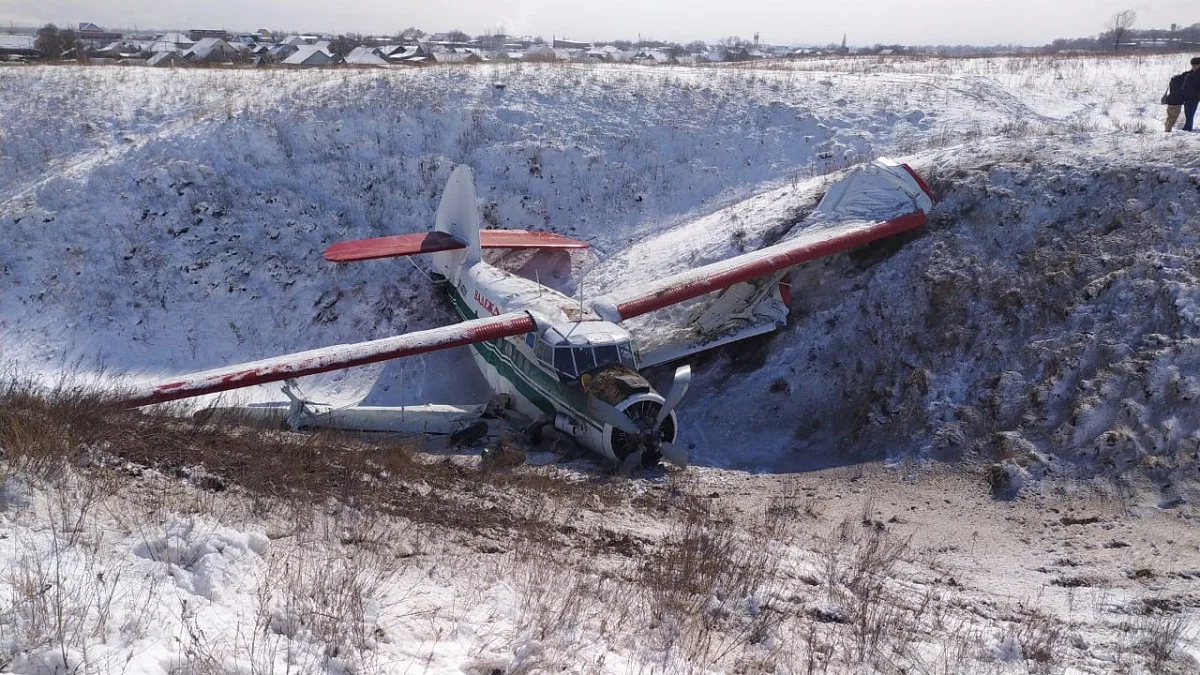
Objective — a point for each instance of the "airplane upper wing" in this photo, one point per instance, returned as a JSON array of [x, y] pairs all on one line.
[[877, 201], [811, 244], [329, 358]]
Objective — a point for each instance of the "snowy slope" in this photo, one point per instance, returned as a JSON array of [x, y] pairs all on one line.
[[1046, 321], [1049, 309], [163, 221], [159, 210]]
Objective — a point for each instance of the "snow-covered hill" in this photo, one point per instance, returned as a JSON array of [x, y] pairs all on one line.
[[1045, 323], [154, 213], [165, 221]]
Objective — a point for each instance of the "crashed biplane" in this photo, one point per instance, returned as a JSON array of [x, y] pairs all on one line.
[[562, 361]]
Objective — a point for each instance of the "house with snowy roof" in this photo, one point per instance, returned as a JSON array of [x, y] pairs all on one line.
[[117, 50], [172, 42], [17, 48], [411, 55], [365, 56], [608, 53], [165, 60], [93, 34], [457, 56], [653, 57], [281, 51], [310, 56], [211, 50], [559, 43]]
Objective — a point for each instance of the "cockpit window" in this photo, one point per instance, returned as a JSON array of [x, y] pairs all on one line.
[[627, 354], [577, 348], [563, 362], [585, 359], [607, 355]]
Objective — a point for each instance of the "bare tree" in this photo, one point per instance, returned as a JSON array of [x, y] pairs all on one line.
[[50, 41], [411, 34], [344, 44], [1119, 26]]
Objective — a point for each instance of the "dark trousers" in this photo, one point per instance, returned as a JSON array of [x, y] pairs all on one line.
[[1189, 113]]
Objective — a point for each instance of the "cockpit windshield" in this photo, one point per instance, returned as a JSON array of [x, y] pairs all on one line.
[[577, 348]]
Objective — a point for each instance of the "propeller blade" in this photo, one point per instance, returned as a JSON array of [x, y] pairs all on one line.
[[679, 387], [674, 454], [610, 415]]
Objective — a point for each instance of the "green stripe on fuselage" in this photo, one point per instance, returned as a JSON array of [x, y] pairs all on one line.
[[542, 389]]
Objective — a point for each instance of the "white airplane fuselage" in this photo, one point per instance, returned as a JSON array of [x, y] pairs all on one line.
[[537, 384], [547, 373]]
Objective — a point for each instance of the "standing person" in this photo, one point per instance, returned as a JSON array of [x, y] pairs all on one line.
[[1191, 94], [1174, 99]]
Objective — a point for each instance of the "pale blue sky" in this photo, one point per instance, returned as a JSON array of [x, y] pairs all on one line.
[[794, 21]]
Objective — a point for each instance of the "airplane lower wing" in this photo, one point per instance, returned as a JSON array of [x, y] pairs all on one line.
[[327, 359], [413, 419]]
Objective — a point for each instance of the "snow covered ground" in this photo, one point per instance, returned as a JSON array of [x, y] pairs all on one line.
[[1044, 325], [841, 571]]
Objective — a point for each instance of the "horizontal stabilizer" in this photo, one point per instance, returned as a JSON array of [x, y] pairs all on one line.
[[433, 242]]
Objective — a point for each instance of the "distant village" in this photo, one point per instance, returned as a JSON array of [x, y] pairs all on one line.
[[91, 44], [203, 47]]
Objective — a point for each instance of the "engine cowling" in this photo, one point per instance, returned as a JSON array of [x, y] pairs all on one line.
[[630, 394]]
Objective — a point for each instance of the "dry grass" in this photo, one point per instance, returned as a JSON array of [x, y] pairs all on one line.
[[718, 588], [43, 430], [1159, 638]]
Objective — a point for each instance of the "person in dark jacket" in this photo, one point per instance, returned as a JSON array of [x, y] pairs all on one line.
[[1173, 99], [1191, 94]]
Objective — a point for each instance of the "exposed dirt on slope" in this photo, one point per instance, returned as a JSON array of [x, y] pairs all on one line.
[[1047, 320]]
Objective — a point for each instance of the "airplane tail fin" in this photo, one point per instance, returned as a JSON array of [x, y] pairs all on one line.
[[458, 216], [456, 238]]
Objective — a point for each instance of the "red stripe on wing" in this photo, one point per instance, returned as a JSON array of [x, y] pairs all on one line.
[[332, 358], [521, 239], [766, 261], [391, 247], [920, 181], [433, 242]]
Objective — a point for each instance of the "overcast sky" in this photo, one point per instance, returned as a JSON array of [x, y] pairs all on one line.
[[778, 21]]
